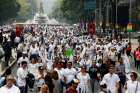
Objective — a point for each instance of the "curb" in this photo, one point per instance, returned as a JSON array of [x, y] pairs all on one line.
[[12, 64]]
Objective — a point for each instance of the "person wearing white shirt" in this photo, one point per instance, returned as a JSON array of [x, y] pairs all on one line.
[[133, 85], [32, 67], [69, 74], [86, 62], [23, 58], [60, 72], [17, 41], [9, 87], [84, 79], [112, 55], [112, 80], [33, 52], [51, 50], [21, 77]]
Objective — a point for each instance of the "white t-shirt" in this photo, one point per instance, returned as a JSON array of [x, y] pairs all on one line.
[[69, 74], [13, 89], [111, 81], [51, 48], [17, 40], [33, 68], [83, 79], [131, 86], [34, 51], [60, 73], [23, 59], [21, 74]]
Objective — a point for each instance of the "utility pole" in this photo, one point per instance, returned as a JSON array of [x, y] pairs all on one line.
[[100, 13], [95, 14], [107, 14], [116, 24], [130, 17]]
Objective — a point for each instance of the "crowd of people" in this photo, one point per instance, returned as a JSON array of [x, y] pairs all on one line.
[[57, 60]]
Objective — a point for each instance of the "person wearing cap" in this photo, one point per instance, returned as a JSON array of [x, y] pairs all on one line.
[[9, 87], [73, 87], [69, 74]]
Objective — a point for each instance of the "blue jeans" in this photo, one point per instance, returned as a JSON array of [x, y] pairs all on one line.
[[22, 89]]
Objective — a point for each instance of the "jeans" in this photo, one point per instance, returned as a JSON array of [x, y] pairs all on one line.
[[94, 85], [62, 84], [22, 89]]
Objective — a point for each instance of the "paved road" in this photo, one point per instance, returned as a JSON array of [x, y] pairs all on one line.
[[134, 45]]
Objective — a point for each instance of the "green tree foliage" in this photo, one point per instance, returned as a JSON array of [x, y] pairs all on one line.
[[16, 9], [27, 9], [136, 14], [72, 10], [8, 9]]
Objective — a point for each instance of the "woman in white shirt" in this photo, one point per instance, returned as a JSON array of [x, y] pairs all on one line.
[[133, 85], [32, 67], [84, 79]]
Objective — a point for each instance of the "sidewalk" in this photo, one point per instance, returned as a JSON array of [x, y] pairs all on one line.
[[12, 59], [135, 44]]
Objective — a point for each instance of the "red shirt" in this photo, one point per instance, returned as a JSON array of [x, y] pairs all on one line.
[[137, 55], [70, 90]]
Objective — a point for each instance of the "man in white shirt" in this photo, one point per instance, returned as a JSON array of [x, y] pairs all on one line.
[[17, 41], [23, 58], [21, 76], [51, 50], [9, 87], [69, 74], [112, 80]]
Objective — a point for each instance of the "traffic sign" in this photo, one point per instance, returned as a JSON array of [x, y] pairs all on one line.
[[129, 27]]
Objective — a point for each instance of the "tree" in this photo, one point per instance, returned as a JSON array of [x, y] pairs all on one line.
[[8, 9], [27, 9], [72, 10], [136, 14]]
